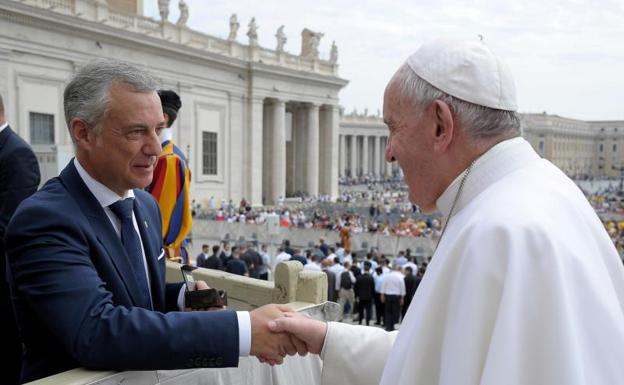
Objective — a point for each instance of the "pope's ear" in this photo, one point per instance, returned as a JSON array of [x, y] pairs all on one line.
[[445, 125], [80, 132]]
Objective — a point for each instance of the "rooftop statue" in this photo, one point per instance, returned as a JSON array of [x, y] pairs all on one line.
[[163, 8], [333, 54], [252, 33], [310, 41], [184, 14], [281, 39], [234, 24]]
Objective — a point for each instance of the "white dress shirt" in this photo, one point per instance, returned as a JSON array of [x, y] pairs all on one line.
[[393, 284], [2, 127], [105, 198]]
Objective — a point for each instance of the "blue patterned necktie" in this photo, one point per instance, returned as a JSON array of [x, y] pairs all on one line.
[[132, 244]]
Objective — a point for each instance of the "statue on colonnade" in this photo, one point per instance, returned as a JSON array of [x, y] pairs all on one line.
[[234, 24]]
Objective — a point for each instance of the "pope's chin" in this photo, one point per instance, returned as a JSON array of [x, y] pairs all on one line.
[[423, 206]]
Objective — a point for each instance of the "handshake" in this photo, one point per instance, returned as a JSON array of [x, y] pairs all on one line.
[[276, 331]]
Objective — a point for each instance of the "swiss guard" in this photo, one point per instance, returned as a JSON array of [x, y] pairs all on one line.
[[170, 185]]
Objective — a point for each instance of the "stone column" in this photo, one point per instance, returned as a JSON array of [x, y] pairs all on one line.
[[353, 156], [365, 157], [343, 156], [253, 157], [278, 158], [330, 121], [388, 165], [300, 147], [377, 155], [313, 139]]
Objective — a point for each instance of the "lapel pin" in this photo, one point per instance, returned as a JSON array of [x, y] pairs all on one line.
[[146, 226]]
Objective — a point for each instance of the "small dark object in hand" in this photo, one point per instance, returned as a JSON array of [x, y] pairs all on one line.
[[204, 299], [200, 299]]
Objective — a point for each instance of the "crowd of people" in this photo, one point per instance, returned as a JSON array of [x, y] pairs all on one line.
[[380, 205], [368, 284], [381, 208]]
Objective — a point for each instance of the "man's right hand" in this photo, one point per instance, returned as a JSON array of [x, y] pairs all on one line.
[[306, 329], [271, 346]]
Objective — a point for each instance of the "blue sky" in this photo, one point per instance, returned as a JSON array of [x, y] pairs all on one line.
[[567, 57]]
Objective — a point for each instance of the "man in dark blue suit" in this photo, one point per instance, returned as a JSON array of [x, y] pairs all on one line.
[[19, 178], [86, 264]]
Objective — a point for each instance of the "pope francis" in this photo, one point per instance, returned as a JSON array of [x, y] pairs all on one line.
[[525, 287]]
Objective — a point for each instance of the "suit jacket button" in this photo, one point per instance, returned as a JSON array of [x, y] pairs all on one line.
[[189, 363], [198, 362], [219, 361], [211, 362]]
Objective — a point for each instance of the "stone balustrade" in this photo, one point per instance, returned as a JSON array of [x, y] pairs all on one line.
[[98, 11], [291, 284]]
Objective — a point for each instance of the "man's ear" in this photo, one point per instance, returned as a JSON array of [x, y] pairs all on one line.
[[445, 125], [81, 133]]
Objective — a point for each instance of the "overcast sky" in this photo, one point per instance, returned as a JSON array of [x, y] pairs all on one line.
[[567, 57]]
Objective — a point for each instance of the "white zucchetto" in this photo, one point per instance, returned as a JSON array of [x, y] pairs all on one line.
[[467, 70]]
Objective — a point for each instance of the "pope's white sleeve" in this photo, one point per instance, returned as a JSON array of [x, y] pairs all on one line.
[[369, 346]]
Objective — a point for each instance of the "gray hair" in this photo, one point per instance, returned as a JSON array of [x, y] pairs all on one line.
[[87, 95], [479, 122]]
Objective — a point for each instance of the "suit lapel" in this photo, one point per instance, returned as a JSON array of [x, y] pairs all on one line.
[[102, 227], [151, 252]]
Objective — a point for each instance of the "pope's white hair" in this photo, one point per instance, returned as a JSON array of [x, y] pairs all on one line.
[[478, 121]]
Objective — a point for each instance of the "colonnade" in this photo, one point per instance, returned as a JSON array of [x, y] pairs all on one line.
[[296, 151], [364, 155]]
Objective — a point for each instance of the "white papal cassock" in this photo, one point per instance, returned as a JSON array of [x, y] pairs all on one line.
[[525, 288]]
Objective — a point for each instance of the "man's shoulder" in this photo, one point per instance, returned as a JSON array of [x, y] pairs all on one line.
[[51, 204], [51, 197], [15, 147]]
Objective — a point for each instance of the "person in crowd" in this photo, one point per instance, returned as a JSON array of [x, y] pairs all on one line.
[[345, 293], [298, 257], [214, 262], [410, 283], [19, 179], [236, 265], [287, 248], [87, 277], [331, 279], [510, 295], [393, 296], [313, 262], [365, 293], [378, 275], [323, 246], [200, 260], [226, 253], [282, 256], [265, 267]]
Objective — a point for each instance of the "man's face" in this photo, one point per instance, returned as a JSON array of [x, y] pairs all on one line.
[[410, 144], [122, 156]]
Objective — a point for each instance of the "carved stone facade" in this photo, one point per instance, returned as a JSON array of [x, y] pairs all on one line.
[[579, 148], [130, 7], [234, 97]]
